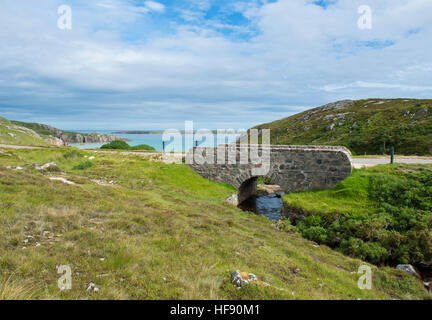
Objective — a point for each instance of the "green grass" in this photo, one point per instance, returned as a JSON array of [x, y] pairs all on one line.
[[382, 214], [350, 197], [158, 231], [362, 126], [15, 135]]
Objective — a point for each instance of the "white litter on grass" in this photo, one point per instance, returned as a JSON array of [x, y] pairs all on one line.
[[93, 287], [62, 180], [45, 166]]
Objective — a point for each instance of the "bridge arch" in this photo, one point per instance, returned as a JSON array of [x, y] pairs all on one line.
[[293, 168]]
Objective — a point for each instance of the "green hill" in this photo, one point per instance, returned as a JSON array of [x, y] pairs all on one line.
[[61, 137], [139, 228], [13, 134], [362, 126]]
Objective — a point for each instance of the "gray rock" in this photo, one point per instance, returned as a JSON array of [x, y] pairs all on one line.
[[233, 200], [408, 269], [45, 166], [336, 105], [331, 127], [421, 112], [238, 280]]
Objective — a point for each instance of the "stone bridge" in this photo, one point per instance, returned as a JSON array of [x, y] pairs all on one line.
[[293, 168]]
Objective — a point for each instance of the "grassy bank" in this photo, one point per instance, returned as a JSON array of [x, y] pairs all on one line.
[[382, 214], [15, 135], [142, 229]]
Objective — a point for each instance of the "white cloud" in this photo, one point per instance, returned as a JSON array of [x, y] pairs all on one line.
[[374, 85], [117, 61], [155, 6]]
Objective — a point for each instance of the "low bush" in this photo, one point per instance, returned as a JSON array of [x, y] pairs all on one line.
[[143, 147], [73, 155], [398, 231], [121, 145], [117, 144], [83, 165]]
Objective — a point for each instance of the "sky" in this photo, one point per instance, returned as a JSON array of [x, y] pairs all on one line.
[[132, 64]]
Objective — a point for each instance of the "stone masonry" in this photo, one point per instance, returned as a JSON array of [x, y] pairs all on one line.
[[294, 168]]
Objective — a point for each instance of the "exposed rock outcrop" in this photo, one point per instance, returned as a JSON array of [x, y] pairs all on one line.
[[63, 138], [233, 200], [409, 269], [56, 141], [88, 138]]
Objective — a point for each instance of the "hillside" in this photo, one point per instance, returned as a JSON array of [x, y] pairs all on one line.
[[13, 134], [62, 137], [138, 228], [382, 214], [361, 125]]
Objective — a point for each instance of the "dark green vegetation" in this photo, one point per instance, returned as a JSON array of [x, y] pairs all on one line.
[[83, 165], [382, 215], [362, 126], [142, 229], [121, 145]]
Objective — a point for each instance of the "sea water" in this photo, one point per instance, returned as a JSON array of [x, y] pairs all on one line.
[[154, 140]]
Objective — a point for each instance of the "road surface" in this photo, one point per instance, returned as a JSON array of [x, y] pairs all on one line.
[[370, 162], [18, 147], [357, 162]]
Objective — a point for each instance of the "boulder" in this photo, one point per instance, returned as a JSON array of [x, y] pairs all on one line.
[[331, 127], [421, 112], [45, 166], [409, 269], [269, 189], [233, 200], [56, 141], [240, 279]]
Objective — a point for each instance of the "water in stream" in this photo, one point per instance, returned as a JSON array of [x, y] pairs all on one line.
[[269, 205]]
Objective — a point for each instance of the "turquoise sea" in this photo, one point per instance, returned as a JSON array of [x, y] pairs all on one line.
[[154, 140]]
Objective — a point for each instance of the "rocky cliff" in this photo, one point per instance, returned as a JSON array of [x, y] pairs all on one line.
[[61, 138]]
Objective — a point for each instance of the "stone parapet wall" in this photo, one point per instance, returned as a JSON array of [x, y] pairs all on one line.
[[294, 168]]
